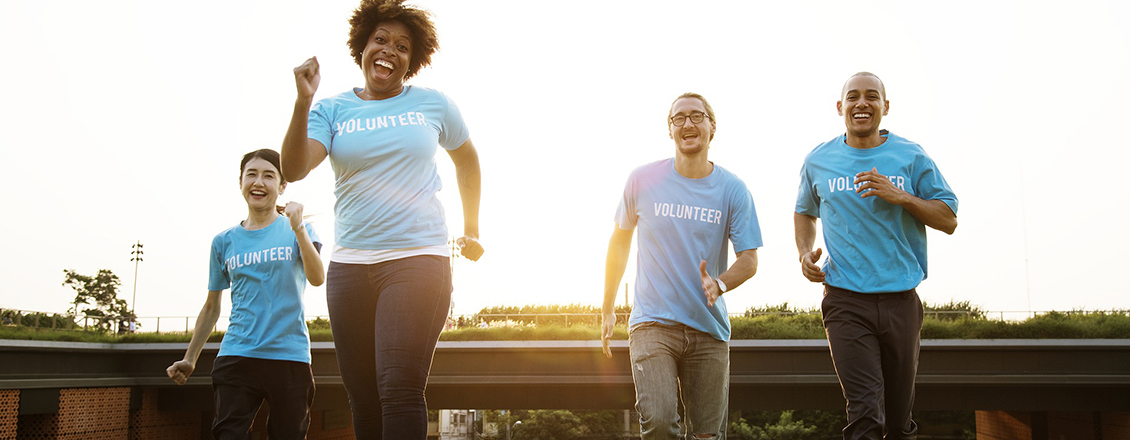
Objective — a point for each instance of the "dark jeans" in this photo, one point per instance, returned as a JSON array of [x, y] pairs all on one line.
[[241, 384], [874, 339], [386, 319]]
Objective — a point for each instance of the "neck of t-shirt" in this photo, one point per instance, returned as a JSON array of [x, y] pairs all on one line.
[[866, 143], [259, 220]]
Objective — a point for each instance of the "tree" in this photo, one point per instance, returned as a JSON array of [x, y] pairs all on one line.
[[601, 424], [548, 425], [785, 429], [101, 292]]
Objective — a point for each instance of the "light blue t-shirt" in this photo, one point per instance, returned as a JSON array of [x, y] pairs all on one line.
[[383, 157], [873, 246], [681, 222], [264, 270]]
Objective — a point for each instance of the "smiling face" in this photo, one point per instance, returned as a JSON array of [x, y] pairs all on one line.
[[863, 105], [384, 61], [260, 184], [691, 138]]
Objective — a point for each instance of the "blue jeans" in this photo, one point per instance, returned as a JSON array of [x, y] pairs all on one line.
[[386, 319], [669, 361]]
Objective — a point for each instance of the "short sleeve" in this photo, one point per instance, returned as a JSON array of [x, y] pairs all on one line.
[[745, 231], [218, 276], [313, 238], [454, 131], [931, 185], [626, 212], [807, 202], [313, 235], [319, 125]]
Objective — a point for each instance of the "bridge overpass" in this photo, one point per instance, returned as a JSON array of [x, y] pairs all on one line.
[[1021, 375]]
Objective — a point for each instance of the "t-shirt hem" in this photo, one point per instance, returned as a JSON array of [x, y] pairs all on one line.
[[347, 255]]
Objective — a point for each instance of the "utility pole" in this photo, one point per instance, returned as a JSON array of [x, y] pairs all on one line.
[[137, 253]]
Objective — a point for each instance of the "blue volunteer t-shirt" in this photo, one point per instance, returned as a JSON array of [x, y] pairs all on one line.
[[681, 222], [873, 246], [264, 270], [383, 157]]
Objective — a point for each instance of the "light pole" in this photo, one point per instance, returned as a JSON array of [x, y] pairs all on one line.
[[137, 253]]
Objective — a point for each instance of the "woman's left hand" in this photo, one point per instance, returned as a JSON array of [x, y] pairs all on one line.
[[469, 247], [293, 211]]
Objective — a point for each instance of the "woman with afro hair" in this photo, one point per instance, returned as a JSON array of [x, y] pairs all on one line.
[[389, 279]]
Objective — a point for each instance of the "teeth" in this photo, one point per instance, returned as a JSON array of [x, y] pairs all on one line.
[[861, 115], [384, 64]]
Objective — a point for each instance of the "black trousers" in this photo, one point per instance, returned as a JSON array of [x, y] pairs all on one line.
[[874, 338], [241, 384]]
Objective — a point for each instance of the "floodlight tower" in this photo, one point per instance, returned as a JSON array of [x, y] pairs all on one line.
[[137, 253]]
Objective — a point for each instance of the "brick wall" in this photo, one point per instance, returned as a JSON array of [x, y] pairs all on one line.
[[1115, 425], [9, 413], [1003, 425], [147, 423]]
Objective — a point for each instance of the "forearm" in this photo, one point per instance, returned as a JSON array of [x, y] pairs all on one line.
[[295, 157], [933, 213], [311, 259], [470, 191], [205, 322], [805, 232], [615, 263], [744, 268]]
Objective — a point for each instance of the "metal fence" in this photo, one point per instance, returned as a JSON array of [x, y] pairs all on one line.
[[169, 324]]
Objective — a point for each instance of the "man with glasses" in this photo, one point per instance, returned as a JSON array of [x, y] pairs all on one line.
[[875, 192], [687, 210]]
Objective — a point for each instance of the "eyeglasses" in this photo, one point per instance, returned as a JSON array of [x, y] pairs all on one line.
[[695, 117]]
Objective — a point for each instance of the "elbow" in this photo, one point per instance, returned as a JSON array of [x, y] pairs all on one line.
[[211, 305], [749, 268], [948, 226], [292, 172], [209, 314], [751, 272], [316, 275]]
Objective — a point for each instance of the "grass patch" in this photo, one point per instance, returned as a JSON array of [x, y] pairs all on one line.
[[755, 325], [800, 326], [31, 334], [1052, 325]]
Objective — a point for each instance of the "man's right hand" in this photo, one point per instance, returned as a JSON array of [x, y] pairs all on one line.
[[179, 371], [809, 267], [606, 326], [306, 78]]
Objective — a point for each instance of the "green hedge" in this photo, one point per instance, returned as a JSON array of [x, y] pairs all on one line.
[[756, 325]]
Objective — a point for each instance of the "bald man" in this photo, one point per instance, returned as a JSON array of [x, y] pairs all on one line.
[[875, 193]]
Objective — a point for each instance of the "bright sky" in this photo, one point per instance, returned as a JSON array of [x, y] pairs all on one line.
[[125, 121]]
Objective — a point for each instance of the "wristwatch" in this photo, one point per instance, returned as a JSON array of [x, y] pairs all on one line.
[[721, 285]]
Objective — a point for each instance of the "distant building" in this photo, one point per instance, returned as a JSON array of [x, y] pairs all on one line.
[[453, 424]]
